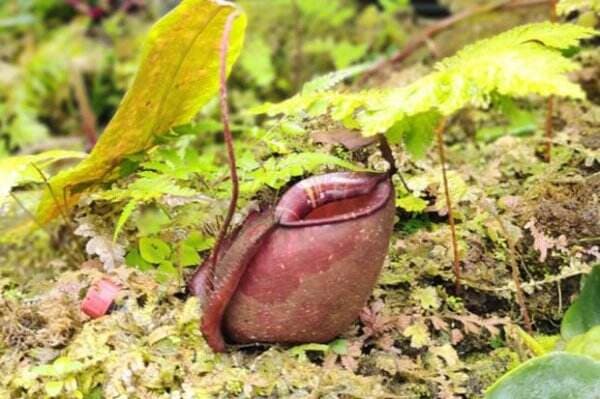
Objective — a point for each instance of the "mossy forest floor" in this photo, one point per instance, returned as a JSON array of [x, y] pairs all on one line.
[[418, 337]]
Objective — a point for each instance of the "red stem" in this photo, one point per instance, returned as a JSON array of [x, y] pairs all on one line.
[[223, 97], [440, 141]]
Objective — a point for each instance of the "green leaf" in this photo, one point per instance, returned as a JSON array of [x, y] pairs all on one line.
[[300, 350], [410, 203], [187, 255], [178, 74], [154, 250], [18, 170], [149, 186], [519, 122], [587, 344], [53, 388], [523, 61], [345, 53], [199, 242], [165, 272], [418, 133], [45, 370], [124, 217], [276, 172], [339, 346], [584, 313], [553, 376], [427, 297], [63, 365], [134, 259], [418, 334], [152, 221]]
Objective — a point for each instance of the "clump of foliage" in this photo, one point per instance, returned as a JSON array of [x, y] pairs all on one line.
[[292, 41], [526, 60], [572, 371]]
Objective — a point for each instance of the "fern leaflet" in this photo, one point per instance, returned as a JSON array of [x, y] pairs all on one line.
[[523, 61]]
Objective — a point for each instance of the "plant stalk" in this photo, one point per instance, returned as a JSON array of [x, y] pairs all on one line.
[[88, 118], [440, 142], [512, 256], [550, 102], [223, 101]]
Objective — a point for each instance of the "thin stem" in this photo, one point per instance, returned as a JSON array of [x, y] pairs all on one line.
[[550, 102], [88, 118], [422, 38], [549, 129], [388, 155], [223, 97], [512, 256], [53, 194], [28, 212], [553, 14], [44, 228], [440, 142]]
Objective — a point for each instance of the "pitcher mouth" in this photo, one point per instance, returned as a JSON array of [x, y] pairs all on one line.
[[362, 202]]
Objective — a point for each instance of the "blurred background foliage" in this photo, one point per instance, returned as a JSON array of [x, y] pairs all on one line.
[[64, 65]]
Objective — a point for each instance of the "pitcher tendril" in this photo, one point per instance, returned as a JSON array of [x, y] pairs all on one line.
[[223, 100]]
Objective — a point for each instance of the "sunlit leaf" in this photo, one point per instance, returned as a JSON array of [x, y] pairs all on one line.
[[587, 344], [584, 313], [178, 74], [20, 170], [555, 376], [154, 250], [124, 217]]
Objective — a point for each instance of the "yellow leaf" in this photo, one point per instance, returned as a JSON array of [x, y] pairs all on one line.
[[20, 170], [418, 334], [178, 74], [427, 297]]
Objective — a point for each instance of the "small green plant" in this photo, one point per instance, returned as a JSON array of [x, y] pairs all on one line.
[[573, 369]]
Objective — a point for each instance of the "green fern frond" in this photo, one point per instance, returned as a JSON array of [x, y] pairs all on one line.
[[276, 172], [332, 79], [148, 187], [523, 61]]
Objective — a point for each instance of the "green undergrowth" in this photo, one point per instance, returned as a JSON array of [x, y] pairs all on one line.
[[417, 337]]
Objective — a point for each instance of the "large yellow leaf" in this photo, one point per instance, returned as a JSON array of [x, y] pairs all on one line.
[[178, 74]]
